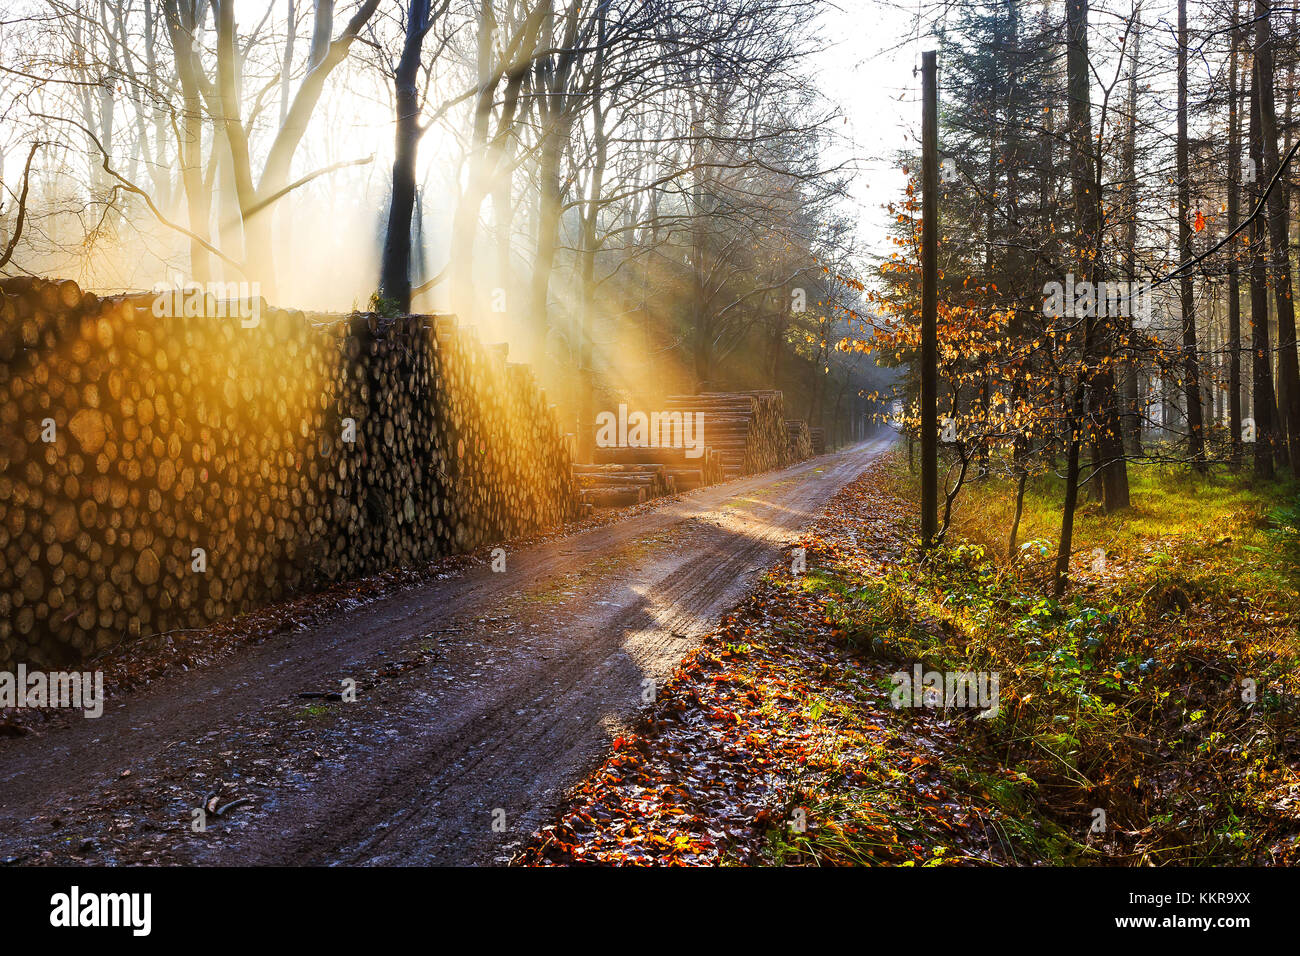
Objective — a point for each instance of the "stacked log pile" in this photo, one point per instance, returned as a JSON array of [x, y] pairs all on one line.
[[164, 472], [747, 428], [688, 472], [798, 441], [818, 436], [621, 486], [741, 432]]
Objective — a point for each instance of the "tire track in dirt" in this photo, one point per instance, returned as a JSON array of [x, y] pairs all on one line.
[[533, 671]]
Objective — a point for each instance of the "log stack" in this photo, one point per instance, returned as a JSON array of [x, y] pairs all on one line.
[[620, 486], [798, 441], [742, 433], [747, 428], [688, 473], [818, 436], [165, 472]]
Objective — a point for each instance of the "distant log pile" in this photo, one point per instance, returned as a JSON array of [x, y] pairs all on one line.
[[798, 441], [818, 436], [621, 486], [747, 428], [687, 472], [164, 472], [713, 436]]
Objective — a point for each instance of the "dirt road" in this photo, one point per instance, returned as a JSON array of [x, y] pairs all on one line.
[[478, 700]]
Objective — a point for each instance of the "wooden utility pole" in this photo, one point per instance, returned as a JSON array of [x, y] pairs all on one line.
[[929, 300], [1187, 300]]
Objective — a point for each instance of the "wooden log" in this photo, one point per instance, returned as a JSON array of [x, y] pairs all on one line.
[[614, 497]]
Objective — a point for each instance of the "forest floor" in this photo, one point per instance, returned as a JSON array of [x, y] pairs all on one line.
[[480, 697], [1149, 717]]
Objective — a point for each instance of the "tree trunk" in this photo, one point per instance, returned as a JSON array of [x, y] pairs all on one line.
[[1132, 417], [180, 27], [1263, 410], [1083, 188], [1288, 363], [1234, 282], [395, 267], [600, 136]]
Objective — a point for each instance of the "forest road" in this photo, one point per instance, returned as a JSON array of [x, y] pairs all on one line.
[[479, 699]]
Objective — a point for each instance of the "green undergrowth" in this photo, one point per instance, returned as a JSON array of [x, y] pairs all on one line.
[[1148, 717], [1158, 697]]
